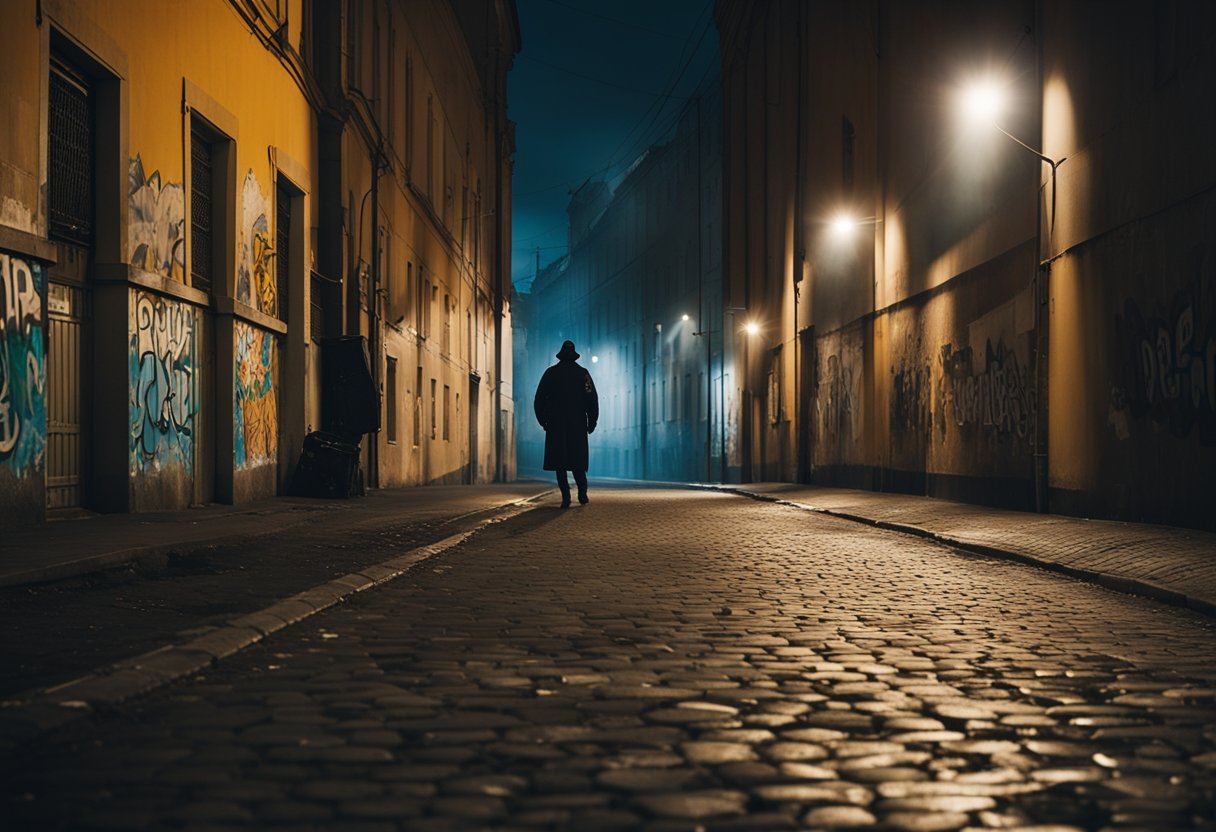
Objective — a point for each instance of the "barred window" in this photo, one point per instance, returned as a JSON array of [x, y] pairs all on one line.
[[70, 173]]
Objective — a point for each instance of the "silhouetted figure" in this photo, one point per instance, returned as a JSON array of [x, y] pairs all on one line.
[[567, 407]]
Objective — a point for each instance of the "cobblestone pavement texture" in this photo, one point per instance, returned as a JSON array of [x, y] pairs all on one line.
[[671, 660], [57, 631], [1165, 562]]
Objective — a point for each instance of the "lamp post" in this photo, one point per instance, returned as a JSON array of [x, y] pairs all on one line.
[[984, 101]]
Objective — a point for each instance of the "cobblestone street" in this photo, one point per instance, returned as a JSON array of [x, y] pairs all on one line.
[[671, 660]]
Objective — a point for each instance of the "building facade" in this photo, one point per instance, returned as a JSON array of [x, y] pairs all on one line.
[[639, 293], [195, 197], [1022, 310]]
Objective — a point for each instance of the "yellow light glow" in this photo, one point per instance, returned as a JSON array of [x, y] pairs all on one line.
[[843, 224], [751, 327], [983, 100]]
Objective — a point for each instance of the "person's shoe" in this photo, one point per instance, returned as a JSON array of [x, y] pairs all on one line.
[[582, 498], [565, 501]]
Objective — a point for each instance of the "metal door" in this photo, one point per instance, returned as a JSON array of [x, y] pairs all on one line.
[[67, 380]]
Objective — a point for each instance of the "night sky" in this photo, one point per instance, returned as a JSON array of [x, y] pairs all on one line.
[[594, 85]]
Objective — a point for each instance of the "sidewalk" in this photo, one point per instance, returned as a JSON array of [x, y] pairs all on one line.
[[1170, 564], [69, 548]]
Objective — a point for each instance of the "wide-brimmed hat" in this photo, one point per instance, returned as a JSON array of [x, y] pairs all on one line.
[[567, 352]]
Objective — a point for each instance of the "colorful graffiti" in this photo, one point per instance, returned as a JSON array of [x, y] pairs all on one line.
[[1000, 396], [1169, 368], [22, 366], [162, 361], [256, 284], [157, 224], [256, 399]]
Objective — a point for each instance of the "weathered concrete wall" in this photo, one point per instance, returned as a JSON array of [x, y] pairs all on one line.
[[1134, 368]]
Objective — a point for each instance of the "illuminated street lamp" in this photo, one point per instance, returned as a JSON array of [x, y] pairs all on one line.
[[595, 359], [843, 224], [751, 327], [984, 101], [684, 317]]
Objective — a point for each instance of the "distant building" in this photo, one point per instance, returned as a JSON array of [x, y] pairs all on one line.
[[1027, 326], [194, 197], [639, 294]]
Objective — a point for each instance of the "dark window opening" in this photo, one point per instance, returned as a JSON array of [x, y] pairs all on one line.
[[390, 396], [202, 209], [70, 139], [283, 199]]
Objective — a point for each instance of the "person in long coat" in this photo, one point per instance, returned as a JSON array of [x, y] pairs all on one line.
[[568, 408]]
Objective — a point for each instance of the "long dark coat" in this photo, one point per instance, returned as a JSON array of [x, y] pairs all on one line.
[[567, 407]]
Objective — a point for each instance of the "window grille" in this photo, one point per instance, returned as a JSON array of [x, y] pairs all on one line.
[[70, 172], [201, 210]]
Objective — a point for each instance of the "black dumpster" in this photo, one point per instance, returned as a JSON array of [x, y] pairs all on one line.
[[328, 467]]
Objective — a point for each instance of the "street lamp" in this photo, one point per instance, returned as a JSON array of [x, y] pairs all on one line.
[[751, 327], [984, 101]]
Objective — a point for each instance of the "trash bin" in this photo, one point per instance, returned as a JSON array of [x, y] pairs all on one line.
[[328, 467]]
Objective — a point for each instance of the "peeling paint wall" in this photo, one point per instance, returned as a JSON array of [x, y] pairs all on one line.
[[156, 226], [256, 397], [255, 282], [162, 398]]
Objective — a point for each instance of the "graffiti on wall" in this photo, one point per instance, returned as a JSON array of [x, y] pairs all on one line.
[[157, 224], [162, 362], [256, 400], [255, 284], [1169, 369], [911, 398], [22, 366], [839, 402], [998, 395]]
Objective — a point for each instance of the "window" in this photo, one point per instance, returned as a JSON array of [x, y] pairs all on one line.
[[284, 195], [202, 208], [70, 141], [433, 412], [430, 148], [448, 412], [418, 408], [446, 344], [390, 398]]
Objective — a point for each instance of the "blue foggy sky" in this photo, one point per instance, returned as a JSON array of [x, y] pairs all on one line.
[[593, 86]]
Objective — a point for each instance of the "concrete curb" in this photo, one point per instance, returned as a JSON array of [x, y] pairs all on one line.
[[1119, 583], [29, 715]]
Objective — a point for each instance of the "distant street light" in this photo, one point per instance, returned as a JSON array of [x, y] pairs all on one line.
[[751, 327], [595, 359], [684, 317]]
